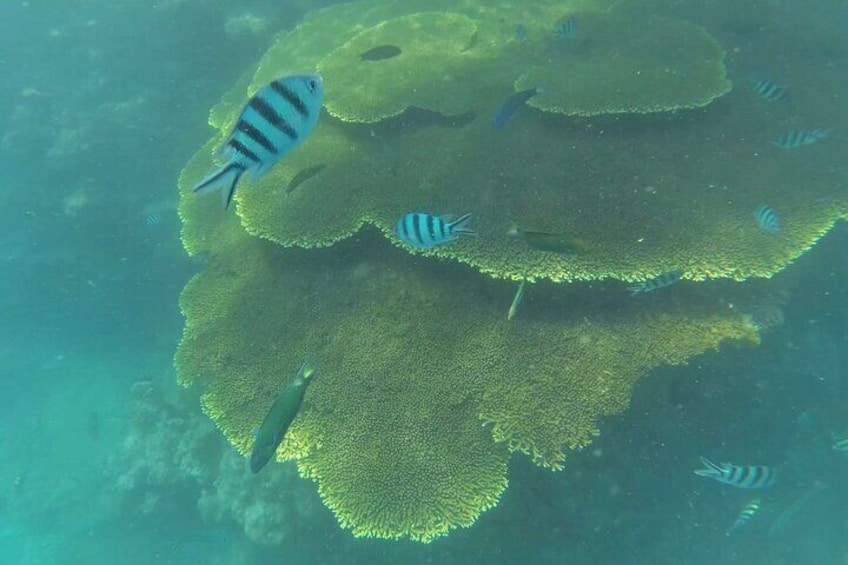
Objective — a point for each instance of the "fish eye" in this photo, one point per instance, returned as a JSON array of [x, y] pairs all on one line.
[[312, 84]]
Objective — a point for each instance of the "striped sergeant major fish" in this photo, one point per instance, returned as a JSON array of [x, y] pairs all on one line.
[[798, 137], [656, 283], [748, 511], [771, 91], [423, 231], [767, 219], [567, 28], [275, 120], [280, 416], [739, 476]]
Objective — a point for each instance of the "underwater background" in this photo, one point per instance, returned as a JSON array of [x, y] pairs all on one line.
[[106, 457]]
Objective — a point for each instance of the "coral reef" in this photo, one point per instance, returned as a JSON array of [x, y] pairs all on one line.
[[424, 390], [689, 211], [173, 455], [616, 67], [391, 432]]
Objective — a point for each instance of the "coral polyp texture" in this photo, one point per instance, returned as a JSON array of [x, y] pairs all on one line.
[[616, 67], [364, 90], [423, 389]]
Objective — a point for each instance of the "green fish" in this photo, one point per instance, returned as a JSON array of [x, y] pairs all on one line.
[[279, 418], [550, 242]]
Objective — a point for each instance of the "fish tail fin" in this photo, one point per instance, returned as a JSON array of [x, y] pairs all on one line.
[[229, 173], [460, 226], [306, 371], [711, 469]]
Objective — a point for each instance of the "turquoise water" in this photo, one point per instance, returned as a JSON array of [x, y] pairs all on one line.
[[105, 459]]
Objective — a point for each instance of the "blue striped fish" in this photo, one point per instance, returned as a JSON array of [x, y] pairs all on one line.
[[748, 511], [798, 137], [739, 476], [424, 231], [275, 120], [767, 219], [661, 281], [771, 91]]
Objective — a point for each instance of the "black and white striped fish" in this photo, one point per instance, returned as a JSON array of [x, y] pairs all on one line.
[[656, 283], [739, 476], [423, 231], [771, 91], [567, 28], [748, 511], [767, 219], [798, 137], [275, 120], [152, 220]]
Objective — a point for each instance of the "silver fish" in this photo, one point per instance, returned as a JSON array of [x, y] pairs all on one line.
[[516, 302]]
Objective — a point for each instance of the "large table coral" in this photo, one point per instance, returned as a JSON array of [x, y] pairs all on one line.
[[423, 387], [646, 195]]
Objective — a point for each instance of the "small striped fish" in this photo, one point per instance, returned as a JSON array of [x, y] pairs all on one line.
[[798, 137], [771, 91], [739, 476], [424, 231], [152, 220], [767, 219], [567, 28], [748, 511], [656, 283], [275, 121]]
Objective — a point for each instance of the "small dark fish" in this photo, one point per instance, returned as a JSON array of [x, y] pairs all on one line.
[[152, 220], [520, 32], [771, 91], [656, 283], [739, 476], [512, 105], [799, 137], [275, 120], [282, 413], [550, 242], [381, 53], [304, 176], [423, 231], [567, 28], [748, 511], [93, 425], [767, 219]]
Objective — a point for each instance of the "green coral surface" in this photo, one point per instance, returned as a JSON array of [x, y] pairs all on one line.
[[423, 387]]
